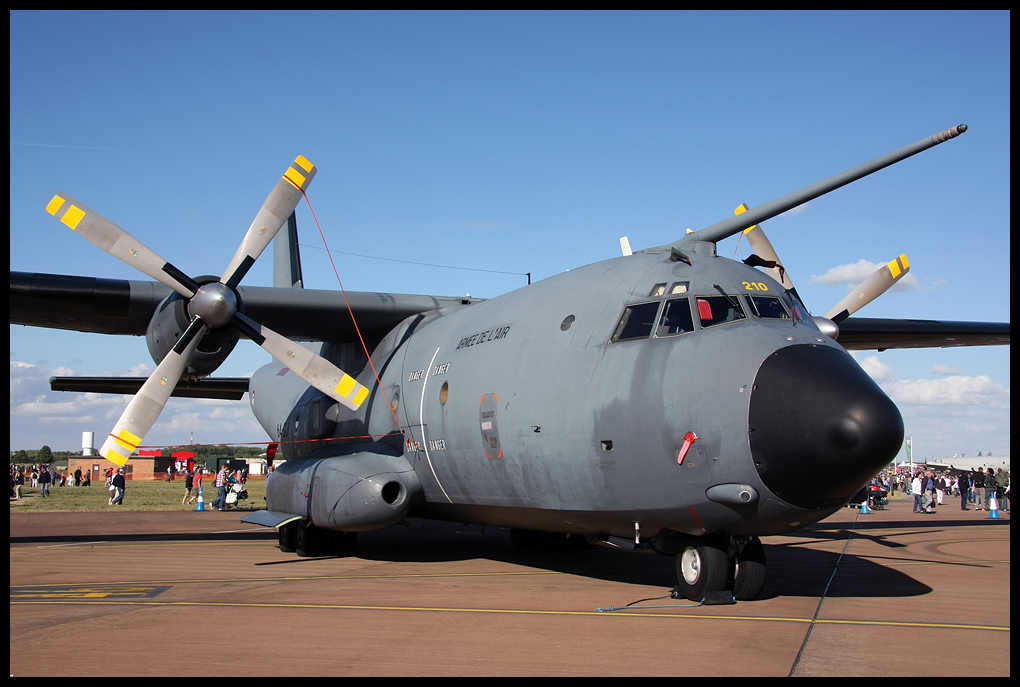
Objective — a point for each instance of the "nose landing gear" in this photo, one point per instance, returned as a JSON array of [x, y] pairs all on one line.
[[715, 563], [749, 570], [701, 567]]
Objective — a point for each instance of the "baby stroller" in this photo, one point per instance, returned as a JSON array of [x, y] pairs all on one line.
[[237, 495]]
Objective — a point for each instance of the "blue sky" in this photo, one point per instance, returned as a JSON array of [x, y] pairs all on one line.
[[517, 142]]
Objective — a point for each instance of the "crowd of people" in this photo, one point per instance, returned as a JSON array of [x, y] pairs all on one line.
[[43, 477], [930, 488]]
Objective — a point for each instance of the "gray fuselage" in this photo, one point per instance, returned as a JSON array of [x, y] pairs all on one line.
[[540, 409]]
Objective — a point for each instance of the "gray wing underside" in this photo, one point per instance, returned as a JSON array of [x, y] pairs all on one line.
[[861, 333], [120, 306]]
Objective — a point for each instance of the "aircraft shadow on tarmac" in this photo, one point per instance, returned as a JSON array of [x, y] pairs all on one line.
[[795, 569]]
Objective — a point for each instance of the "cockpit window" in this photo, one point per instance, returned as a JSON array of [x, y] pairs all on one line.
[[715, 310], [676, 318], [637, 321], [794, 306], [768, 308], [657, 290], [678, 287]]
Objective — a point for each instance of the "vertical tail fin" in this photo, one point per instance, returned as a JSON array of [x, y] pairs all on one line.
[[287, 257]]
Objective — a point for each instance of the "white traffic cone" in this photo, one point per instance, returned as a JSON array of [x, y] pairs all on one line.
[[993, 507], [201, 501]]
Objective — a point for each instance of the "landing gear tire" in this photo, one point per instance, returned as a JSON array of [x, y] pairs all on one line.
[[287, 536], [314, 542], [749, 571], [701, 566], [309, 542]]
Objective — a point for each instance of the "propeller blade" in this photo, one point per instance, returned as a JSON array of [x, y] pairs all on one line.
[[105, 234], [144, 409], [313, 368], [870, 289], [762, 247], [274, 213]]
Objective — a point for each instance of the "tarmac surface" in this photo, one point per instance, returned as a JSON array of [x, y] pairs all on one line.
[[199, 593]]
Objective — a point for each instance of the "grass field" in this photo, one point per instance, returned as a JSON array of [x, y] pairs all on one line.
[[148, 496]]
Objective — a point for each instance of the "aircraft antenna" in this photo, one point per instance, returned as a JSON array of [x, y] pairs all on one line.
[[731, 226]]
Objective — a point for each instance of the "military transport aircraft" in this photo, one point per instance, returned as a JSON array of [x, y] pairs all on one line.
[[666, 400]]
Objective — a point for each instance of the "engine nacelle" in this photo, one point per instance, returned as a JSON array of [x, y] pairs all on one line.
[[354, 493], [169, 322]]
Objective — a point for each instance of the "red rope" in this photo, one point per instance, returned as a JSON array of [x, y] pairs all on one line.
[[351, 311]]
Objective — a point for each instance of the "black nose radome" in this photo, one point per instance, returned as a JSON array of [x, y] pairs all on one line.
[[820, 428]]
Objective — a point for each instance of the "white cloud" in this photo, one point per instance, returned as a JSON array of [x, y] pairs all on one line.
[[139, 370], [955, 414], [953, 390], [876, 369], [854, 273]]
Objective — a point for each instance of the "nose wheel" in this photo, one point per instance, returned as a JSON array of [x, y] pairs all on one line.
[[711, 564], [701, 566], [749, 570]]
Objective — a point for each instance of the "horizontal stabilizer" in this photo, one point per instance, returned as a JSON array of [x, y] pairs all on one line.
[[227, 388]]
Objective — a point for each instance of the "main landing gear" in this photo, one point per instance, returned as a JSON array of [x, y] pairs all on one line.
[[716, 563], [310, 541]]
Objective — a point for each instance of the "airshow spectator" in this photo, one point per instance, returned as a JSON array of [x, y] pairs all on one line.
[[990, 489], [221, 489], [189, 486], [119, 486], [979, 489], [44, 482]]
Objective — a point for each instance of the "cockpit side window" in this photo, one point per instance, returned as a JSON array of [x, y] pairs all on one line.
[[676, 318], [713, 310], [768, 308], [794, 307], [637, 321]]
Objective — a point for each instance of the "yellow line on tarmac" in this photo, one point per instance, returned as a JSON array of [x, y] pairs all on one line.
[[509, 611], [295, 578]]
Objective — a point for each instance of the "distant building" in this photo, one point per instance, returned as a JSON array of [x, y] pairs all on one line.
[[138, 468]]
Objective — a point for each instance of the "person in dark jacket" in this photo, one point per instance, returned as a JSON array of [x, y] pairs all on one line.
[[119, 485], [979, 489], [189, 486], [44, 482]]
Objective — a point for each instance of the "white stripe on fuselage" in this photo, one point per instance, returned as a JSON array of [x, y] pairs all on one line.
[[421, 421]]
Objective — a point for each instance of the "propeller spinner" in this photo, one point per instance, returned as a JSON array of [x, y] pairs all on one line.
[[211, 306]]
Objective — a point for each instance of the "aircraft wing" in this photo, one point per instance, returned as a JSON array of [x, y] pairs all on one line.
[[120, 306], [860, 333]]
